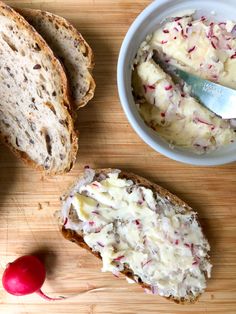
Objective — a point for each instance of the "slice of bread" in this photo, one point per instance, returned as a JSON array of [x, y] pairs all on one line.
[[139, 229], [71, 49], [35, 121]]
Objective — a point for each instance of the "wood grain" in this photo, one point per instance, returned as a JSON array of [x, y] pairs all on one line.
[[28, 200]]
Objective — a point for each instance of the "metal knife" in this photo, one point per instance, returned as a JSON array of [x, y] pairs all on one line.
[[219, 99]]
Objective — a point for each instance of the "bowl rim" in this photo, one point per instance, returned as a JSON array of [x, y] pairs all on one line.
[[143, 131]]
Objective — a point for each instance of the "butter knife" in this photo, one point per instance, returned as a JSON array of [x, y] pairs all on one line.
[[219, 99]]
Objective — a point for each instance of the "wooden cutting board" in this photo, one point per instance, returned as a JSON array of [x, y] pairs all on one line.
[[28, 200]]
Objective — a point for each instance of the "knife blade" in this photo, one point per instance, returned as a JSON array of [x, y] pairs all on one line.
[[218, 98]]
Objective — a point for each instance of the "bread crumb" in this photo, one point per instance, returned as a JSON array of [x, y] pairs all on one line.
[[43, 205], [40, 206]]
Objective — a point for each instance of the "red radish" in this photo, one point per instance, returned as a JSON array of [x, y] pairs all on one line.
[[146, 263], [169, 87], [117, 259], [233, 56], [177, 18], [211, 31], [65, 221], [100, 244], [213, 44], [137, 221], [24, 276], [151, 87], [191, 49]]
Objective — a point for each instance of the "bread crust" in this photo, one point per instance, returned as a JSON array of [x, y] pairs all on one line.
[[75, 35], [22, 23], [73, 236]]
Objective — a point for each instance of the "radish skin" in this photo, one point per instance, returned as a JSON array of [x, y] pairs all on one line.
[[24, 276]]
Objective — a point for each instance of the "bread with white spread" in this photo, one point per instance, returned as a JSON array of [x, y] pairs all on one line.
[[35, 120], [139, 229], [71, 49]]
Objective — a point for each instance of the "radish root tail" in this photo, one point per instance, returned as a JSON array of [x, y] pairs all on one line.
[[45, 297]]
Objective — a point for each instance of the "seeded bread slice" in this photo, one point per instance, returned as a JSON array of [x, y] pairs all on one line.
[[78, 237], [71, 49], [34, 108]]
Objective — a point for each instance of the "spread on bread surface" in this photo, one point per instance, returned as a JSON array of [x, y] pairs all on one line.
[[204, 48], [133, 227]]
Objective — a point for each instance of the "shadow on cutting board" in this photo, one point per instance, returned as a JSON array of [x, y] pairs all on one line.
[[48, 258], [8, 164], [91, 118]]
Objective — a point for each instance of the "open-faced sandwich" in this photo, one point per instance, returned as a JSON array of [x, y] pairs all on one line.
[[139, 229]]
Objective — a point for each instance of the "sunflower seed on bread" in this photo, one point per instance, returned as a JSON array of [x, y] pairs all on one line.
[[139, 229], [34, 119], [71, 49]]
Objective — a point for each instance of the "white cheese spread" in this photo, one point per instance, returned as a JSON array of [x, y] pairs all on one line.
[[204, 48], [133, 227]]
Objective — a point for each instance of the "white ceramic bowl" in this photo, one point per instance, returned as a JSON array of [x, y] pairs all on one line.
[[148, 21]]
